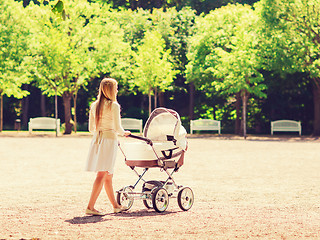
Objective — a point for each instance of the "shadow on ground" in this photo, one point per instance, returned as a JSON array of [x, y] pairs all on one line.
[[86, 219], [136, 214], [144, 213]]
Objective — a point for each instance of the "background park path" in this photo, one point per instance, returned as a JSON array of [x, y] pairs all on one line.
[[259, 188]]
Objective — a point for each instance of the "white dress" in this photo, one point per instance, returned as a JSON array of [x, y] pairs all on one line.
[[103, 149]]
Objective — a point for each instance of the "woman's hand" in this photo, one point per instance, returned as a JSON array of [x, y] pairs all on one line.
[[127, 133]]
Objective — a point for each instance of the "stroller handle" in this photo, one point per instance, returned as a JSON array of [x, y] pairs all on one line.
[[147, 140]]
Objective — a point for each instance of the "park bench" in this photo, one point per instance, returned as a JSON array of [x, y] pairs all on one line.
[[286, 126], [132, 124], [205, 125], [44, 123]]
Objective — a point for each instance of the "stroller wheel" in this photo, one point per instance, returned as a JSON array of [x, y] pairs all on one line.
[[147, 189], [124, 197], [148, 203], [160, 199], [185, 198]]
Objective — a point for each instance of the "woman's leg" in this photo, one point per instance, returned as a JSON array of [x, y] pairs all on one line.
[[96, 189], [109, 190]]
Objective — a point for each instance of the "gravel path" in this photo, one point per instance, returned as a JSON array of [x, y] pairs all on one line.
[[259, 188]]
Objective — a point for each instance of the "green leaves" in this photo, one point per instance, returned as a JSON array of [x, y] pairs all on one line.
[[110, 54], [153, 68], [59, 10], [291, 30], [13, 41], [60, 49], [224, 53]]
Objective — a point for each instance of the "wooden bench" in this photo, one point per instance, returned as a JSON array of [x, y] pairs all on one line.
[[44, 123], [132, 124], [286, 126], [205, 125]]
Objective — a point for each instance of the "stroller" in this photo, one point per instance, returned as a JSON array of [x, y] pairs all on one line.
[[162, 146]]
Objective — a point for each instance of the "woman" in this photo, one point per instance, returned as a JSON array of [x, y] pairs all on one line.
[[105, 123]]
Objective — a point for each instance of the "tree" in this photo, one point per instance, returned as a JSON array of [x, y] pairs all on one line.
[[292, 42], [153, 71], [61, 61], [13, 35], [224, 54], [175, 28], [111, 53]]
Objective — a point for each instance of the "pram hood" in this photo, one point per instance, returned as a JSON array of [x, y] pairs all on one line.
[[165, 125]]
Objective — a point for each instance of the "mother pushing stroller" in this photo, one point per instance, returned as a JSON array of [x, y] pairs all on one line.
[[105, 123]]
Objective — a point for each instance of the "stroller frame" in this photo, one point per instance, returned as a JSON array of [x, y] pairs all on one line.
[[156, 194]]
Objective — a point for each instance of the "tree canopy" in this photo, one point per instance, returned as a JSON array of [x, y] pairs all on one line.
[[223, 55], [154, 71], [13, 44], [292, 42], [204, 63]]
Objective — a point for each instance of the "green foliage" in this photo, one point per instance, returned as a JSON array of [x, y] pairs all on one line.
[[175, 28], [73, 44], [291, 33], [69, 53], [58, 8], [153, 67], [110, 53], [60, 59], [134, 24], [13, 42], [223, 56], [291, 29]]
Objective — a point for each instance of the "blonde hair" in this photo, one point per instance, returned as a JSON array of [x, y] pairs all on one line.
[[107, 92]]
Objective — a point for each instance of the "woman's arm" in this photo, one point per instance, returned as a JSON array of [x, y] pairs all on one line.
[[92, 124], [117, 119]]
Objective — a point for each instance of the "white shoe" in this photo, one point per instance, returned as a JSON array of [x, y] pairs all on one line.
[[94, 212], [120, 209]]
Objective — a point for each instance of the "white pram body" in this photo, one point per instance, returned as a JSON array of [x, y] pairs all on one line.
[[168, 138]]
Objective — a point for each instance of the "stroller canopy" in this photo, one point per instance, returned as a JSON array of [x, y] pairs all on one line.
[[165, 125]]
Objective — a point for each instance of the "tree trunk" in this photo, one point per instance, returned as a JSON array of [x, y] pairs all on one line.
[[25, 107], [75, 96], [149, 95], [155, 98], [56, 110], [25, 111], [1, 113], [161, 99], [66, 96], [316, 103], [237, 129], [191, 100], [43, 105], [244, 113]]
